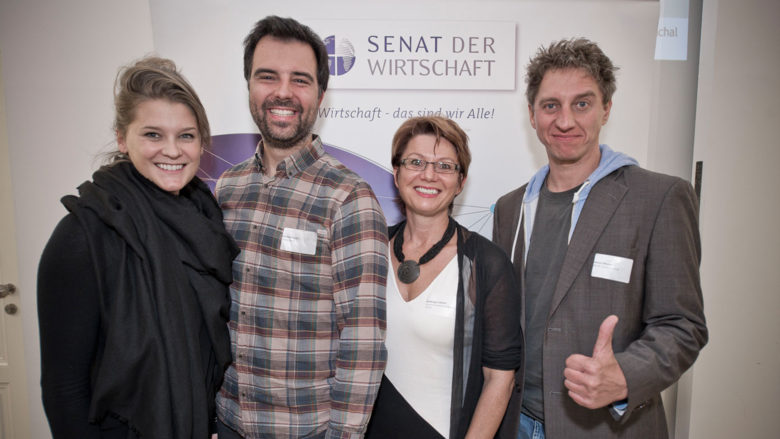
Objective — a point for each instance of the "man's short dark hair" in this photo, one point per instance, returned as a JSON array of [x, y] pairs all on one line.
[[287, 29], [575, 53]]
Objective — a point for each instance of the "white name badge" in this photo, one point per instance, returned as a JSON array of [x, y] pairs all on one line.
[[299, 241], [612, 268], [441, 306]]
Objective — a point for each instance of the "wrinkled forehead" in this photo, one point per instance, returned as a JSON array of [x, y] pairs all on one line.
[[567, 83]]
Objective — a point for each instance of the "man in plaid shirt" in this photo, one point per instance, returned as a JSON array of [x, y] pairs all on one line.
[[307, 319]]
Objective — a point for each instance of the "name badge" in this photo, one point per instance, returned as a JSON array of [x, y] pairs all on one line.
[[440, 307], [299, 241], [612, 268]]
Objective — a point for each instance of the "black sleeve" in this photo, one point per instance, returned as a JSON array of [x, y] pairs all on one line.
[[69, 319], [502, 336]]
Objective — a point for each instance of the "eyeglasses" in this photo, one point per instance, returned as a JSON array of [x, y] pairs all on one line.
[[440, 167]]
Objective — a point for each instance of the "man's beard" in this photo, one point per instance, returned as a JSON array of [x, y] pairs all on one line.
[[302, 131]]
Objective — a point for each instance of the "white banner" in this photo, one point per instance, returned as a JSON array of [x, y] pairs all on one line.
[[462, 59]]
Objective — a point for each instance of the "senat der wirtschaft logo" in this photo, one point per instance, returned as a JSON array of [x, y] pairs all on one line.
[[420, 54], [341, 55]]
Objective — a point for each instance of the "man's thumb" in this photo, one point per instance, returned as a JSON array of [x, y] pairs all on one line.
[[604, 340]]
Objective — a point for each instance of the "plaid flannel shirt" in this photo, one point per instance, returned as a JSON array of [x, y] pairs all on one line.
[[307, 319]]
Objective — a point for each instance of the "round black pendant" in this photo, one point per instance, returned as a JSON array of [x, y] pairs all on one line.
[[408, 271]]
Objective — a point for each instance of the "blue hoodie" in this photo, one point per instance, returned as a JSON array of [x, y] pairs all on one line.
[[610, 161]]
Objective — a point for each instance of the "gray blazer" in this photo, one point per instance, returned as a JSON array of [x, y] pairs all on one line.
[[651, 219]]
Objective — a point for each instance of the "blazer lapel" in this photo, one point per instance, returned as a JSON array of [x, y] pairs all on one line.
[[520, 271], [599, 207], [519, 261]]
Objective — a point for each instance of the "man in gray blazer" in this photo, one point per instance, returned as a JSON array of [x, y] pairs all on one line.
[[607, 254]]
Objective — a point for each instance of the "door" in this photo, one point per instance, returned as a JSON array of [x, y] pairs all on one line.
[[14, 423]]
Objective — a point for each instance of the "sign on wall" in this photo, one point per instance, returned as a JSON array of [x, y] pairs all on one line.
[[390, 61], [413, 55]]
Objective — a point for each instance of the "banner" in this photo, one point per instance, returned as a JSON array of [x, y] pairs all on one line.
[[393, 60]]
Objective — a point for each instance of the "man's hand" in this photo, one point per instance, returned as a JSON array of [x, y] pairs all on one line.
[[596, 381]]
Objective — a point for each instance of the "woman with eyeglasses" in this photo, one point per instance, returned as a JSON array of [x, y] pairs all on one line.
[[453, 310]]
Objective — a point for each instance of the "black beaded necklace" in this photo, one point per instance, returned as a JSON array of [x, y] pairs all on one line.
[[409, 271]]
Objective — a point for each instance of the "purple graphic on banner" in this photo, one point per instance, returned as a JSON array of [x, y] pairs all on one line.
[[228, 150], [341, 55]]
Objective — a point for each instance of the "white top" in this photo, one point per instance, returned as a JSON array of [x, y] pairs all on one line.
[[419, 339]]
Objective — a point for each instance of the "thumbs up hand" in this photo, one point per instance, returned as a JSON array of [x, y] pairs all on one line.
[[596, 381]]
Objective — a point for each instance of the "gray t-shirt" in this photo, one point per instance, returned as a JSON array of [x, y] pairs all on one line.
[[546, 251]]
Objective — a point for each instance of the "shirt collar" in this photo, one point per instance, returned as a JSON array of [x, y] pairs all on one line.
[[298, 161]]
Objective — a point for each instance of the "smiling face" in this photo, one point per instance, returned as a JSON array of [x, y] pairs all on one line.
[[283, 92], [426, 192], [568, 115], [163, 143]]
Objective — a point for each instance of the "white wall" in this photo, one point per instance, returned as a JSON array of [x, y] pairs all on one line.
[[59, 62], [674, 106], [736, 381]]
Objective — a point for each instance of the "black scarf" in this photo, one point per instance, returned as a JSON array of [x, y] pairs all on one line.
[[164, 267]]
